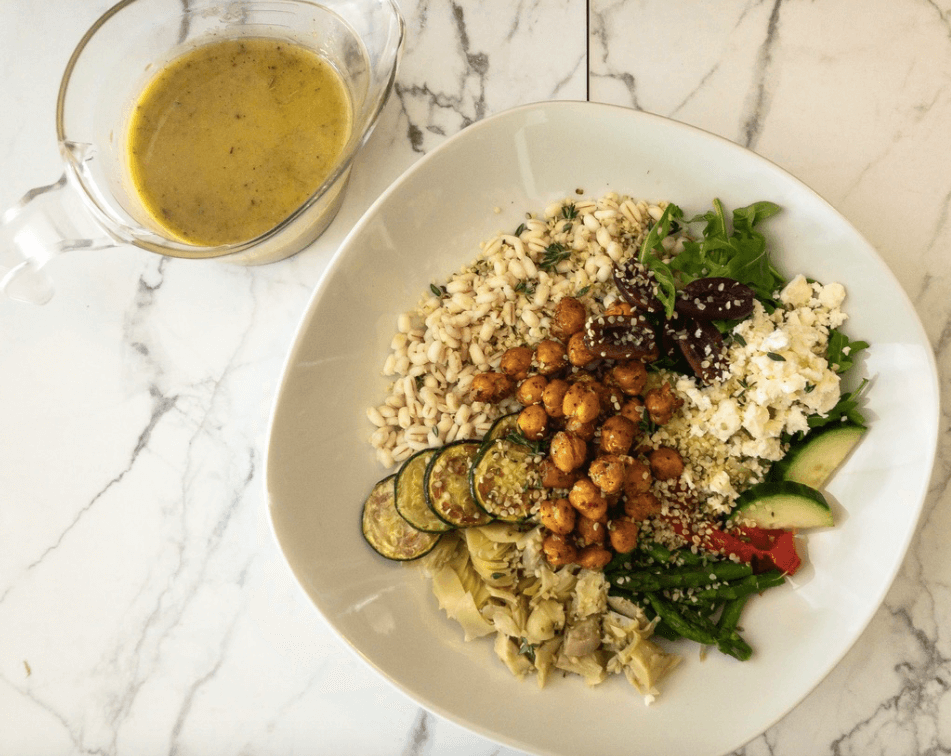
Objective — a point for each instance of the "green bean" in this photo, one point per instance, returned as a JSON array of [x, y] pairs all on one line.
[[666, 631], [683, 577], [745, 587], [693, 626], [679, 623], [730, 617], [658, 553], [735, 646]]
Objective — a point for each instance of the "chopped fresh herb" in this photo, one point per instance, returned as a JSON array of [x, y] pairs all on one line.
[[420, 381], [517, 437], [583, 290], [841, 351], [527, 649], [739, 339], [775, 357], [518, 231], [569, 211], [524, 287], [554, 254], [648, 426], [810, 387], [435, 290]]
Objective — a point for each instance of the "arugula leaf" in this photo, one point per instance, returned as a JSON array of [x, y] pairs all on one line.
[[650, 255], [740, 253], [845, 409], [842, 352]]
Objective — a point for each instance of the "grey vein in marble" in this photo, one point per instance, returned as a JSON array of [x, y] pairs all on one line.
[[758, 101]]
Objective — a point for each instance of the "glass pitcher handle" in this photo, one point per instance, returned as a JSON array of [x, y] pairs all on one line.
[[46, 222]]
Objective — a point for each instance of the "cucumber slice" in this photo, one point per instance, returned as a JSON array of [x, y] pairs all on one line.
[[446, 486], [387, 532], [411, 494], [502, 480], [782, 504], [813, 460]]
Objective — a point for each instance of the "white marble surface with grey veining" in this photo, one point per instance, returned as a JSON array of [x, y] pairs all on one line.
[[144, 606]]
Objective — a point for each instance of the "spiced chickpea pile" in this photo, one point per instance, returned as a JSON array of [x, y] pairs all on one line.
[[592, 413]]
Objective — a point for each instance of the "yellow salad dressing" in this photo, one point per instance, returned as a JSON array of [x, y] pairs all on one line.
[[230, 138]]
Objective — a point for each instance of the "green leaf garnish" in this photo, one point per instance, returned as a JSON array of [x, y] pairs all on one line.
[[739, 253], [650, 256], [846, 409], [841, 352]]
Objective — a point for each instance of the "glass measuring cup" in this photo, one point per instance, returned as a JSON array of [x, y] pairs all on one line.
[[93, 205]]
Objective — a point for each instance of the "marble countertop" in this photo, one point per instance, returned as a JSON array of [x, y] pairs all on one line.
[[144, 605]]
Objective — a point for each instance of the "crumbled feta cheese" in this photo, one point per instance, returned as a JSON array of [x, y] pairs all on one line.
[[730, 432]]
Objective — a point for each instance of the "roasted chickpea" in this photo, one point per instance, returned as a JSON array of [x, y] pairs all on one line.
[[587, 498], [629, 376], [594, 557], [661, 403], [578, 353], [569, 317], [568, 452], [617, 435], [612, 399], [552, 477], [619, 308], [557, 515], [666, 463], [550, 357], [492, 387], [533, 422], [516, 362], [640, 506], [633, 410], [584, 431], [558, 550], [530, 390], [608, 472], [637, 478], [622, 533], [553, 397], [581, 403], [591, 531]]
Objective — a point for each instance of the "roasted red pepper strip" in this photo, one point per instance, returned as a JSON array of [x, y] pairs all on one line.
[[762, 548]]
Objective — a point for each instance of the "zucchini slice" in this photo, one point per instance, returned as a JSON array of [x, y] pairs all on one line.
[[387, 532], [447, 485], [504, 479], [813, 460], [782, 504], [502, 427], [411, 494]]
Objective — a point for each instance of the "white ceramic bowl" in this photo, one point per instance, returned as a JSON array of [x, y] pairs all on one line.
[[320, 465]]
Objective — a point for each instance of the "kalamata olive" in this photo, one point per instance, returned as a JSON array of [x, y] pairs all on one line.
[[621, 337], [715, 299], [637, 286]]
